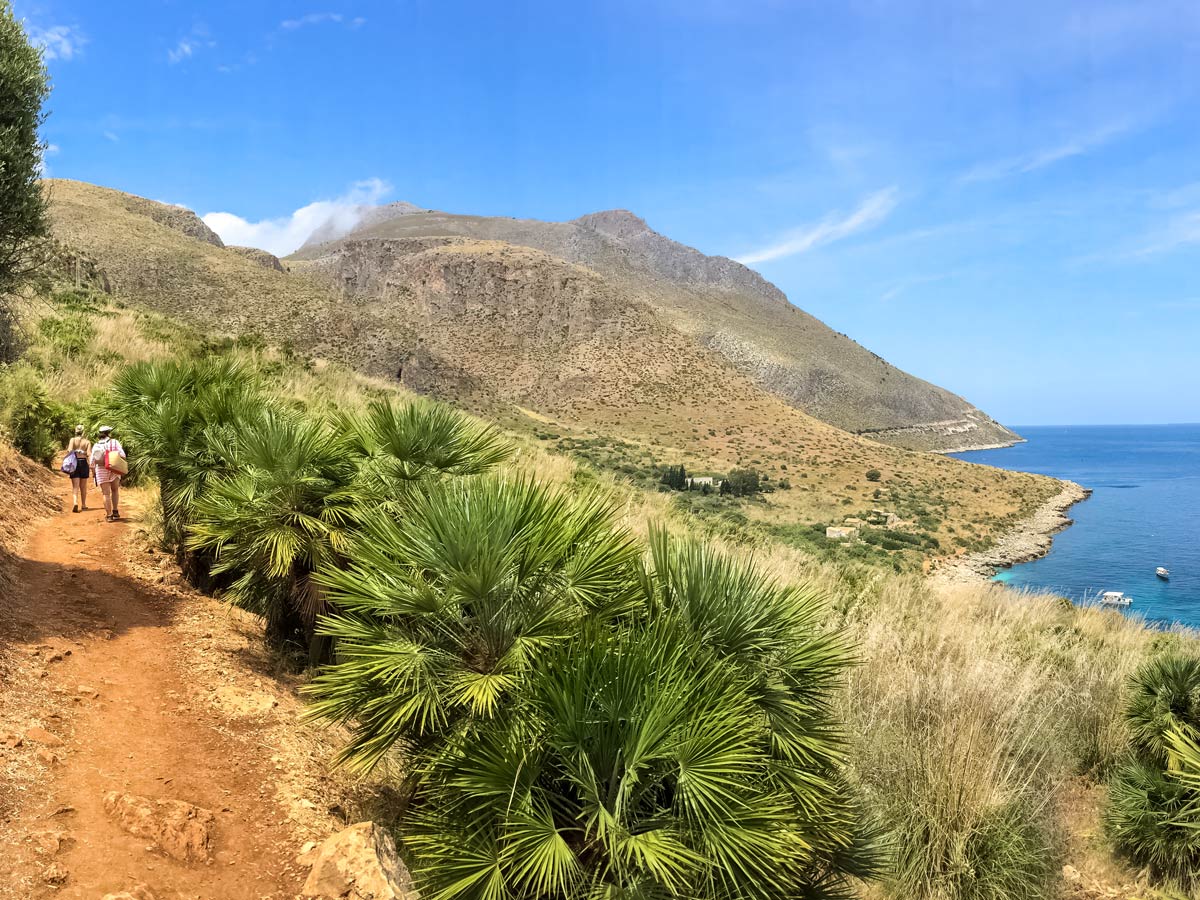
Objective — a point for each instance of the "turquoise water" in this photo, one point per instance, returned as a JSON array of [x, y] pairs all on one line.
[[1144, 512]]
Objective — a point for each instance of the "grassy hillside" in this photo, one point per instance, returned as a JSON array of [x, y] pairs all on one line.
[[983, 722], [556, 350], [731, 310]]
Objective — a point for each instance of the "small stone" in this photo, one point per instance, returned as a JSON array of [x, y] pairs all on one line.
[[360, 859], [183, 831], [1070, 873], [51, 842], [137, 892], [40, 735], [11, 741], [47, 757], [86, 690], [55, 874]]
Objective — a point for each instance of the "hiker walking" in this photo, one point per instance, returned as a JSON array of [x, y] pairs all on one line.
[[108, 459], [75, 464]]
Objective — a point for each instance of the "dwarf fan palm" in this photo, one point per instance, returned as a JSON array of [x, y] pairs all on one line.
[[180, 419], [1154, 799], [577, 725], [444, 612], [297, 488], [281, 512]]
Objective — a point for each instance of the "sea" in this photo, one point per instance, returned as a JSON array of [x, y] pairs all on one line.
[[1144, 512]]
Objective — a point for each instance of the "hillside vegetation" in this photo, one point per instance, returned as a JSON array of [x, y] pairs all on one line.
[[980, 722], [553, 349]]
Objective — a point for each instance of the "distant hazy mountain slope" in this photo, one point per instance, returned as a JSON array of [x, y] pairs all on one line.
[[735, 312]]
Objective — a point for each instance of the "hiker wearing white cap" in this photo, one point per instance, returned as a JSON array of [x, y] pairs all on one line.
[[80, 448], [108, 459]]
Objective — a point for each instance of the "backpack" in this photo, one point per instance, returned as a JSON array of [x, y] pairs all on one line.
[[68, 463]]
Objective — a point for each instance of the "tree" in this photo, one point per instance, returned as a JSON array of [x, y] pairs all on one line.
[[874, 474], [24, 87], [742, 483], [674, 477]]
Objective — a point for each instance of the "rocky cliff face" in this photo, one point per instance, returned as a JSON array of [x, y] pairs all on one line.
[[674, 261], [729, 310], [258, 257]]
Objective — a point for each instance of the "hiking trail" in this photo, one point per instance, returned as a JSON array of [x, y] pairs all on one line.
[[107, 690]]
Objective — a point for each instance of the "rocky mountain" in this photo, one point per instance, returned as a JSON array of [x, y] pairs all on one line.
[[725, 307], [358, 217], [545, 346]]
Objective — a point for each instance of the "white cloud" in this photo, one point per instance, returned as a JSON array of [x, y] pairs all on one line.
[[283, 235], [58, 41], [183, 50], [48, 150], [1076, 145], [112, 136], [314, 19], [833, 227]]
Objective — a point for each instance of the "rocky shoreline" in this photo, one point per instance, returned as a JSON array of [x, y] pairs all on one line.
[[1030, 539], [970, 447]]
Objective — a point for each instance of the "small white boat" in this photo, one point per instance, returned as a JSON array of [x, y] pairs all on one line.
[[1115, 598], [1163, 572]]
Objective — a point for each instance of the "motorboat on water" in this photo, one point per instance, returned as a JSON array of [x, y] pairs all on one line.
[[1163, 572], [1115, 598]]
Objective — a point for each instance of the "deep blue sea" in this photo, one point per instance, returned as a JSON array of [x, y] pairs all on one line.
[[1144, 512]]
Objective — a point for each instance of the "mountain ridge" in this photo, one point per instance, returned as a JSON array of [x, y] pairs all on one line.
[[731, 310]]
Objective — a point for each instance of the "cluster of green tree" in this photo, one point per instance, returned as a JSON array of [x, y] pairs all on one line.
[[576, 717], [1154, 798], [24, 86]]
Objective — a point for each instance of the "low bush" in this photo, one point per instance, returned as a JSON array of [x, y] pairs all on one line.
[[575, 723], [1154, 799]]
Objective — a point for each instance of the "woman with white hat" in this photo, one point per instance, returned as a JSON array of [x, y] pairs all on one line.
[[108, 460]]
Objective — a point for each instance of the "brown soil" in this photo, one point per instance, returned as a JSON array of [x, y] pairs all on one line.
[[108, 664]]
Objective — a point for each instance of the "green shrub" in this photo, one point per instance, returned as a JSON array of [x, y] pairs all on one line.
[[70, 334], [1153, 809], [575, 724], [874, 475], [36, 425]]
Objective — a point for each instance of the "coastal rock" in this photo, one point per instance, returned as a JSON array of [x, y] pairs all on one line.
[[181, 830], [1030, 539], [359, 863]]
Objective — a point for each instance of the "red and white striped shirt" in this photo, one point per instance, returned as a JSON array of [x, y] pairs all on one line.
[[100, 459]]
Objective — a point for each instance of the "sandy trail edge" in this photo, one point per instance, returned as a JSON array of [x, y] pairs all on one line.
[[150, 731]]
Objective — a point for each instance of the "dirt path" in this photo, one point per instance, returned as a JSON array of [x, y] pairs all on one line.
[[139, 724]]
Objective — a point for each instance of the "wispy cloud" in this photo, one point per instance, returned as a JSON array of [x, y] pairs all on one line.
[[183, 50], [285, 234], [1075, 145], [834, 227], [1180, 231], [63, 42], [907, 284], [321, 18], [198, 39], [112, 136]]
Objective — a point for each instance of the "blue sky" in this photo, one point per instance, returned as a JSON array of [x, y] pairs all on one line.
[[1003, 198]]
